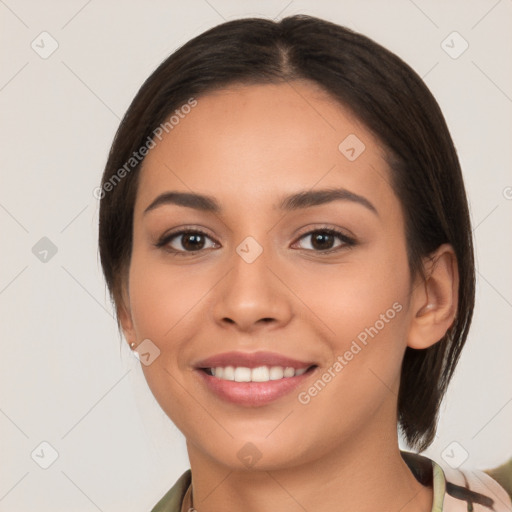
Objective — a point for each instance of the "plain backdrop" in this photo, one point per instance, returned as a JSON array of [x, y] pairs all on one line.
[[65, 377]]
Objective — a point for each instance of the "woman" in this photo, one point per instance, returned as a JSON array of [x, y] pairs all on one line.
[[285, 234]]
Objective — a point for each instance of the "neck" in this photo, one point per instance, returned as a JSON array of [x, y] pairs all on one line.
[[365, 474]]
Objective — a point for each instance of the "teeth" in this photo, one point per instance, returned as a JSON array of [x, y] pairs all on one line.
[[276, 372], [289, 372], [259, 374], [242, 374], [229, 373]]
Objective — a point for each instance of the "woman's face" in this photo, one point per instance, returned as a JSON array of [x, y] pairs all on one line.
[[266, 277]]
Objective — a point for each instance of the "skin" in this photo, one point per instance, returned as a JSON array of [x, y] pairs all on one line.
[[249, 146]]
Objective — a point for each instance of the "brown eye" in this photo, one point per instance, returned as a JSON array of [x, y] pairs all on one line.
[[184, 242], [192, 241], [324, 240]]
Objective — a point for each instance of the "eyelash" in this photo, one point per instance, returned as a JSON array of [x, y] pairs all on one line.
[[165, 239]]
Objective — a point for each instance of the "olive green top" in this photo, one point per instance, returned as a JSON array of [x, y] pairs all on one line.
[[454, 490]]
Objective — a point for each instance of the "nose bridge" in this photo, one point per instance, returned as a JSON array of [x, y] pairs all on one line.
[[251, 293], [250, 277]]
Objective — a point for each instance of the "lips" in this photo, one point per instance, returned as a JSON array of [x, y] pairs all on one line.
[[277, 376], [252, 360]]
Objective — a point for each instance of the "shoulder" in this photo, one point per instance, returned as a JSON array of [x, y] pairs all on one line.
[[463, 489], [503, 475], [171, 501], [477, 490]]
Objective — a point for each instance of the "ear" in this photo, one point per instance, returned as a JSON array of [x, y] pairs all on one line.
[[125, 317], [434, 299]]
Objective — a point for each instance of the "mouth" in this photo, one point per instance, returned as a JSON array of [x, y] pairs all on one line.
[[252, 379]]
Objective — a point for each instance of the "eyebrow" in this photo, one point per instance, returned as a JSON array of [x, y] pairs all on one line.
[[297, 201]]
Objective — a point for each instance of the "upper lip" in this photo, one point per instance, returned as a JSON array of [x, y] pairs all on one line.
[[251, 360]]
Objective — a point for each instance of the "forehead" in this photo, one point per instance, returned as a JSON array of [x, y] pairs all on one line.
[[250, 144]]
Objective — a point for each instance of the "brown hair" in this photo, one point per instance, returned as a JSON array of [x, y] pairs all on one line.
[[386, 95]]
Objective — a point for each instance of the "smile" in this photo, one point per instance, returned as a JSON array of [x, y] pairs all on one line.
[[253, 387], [259, 374]]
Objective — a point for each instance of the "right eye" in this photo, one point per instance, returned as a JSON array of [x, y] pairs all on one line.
[[185, 241]]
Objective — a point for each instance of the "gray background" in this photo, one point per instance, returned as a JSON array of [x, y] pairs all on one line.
[[65, 377]]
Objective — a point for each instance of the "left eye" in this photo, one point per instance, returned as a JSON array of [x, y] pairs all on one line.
[[322, 240]]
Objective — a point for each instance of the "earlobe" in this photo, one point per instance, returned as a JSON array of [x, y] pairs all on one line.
[[435, 299]]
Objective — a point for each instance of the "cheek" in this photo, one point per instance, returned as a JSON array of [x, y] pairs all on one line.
[[348, 299], [366, 313], [361, 311], [164, 302], [162, 295], [167, 304]]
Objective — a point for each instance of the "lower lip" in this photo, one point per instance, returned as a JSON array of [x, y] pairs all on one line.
[[253, 394]]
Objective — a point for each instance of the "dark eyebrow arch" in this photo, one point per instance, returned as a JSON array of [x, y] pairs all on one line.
[[296, 201], [190, 200], [318, 197]]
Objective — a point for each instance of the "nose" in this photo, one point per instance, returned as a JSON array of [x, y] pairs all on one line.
[[252, 297]]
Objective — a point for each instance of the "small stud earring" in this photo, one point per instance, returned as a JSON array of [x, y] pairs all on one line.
[[132, 345]]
